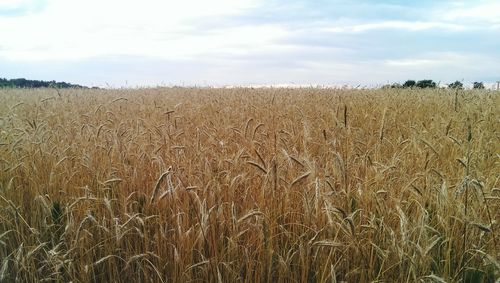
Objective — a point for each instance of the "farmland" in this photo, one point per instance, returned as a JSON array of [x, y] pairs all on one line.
[[253, 185]]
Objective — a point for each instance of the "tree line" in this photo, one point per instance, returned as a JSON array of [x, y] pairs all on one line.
[[24, 83], [432, 84]]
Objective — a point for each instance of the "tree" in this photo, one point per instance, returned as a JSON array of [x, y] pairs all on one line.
[[24, 83], [393, 85], [409, 84], [478, 85], [426, 84], [456, 85]]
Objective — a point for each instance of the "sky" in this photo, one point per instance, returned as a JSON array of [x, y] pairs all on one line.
[[125, 43]]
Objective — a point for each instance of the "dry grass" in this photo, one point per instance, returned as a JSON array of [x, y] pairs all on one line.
[[277, 185]]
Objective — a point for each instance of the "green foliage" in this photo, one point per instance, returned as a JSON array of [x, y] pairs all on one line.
[[24, 83], [456, 85], [394, 85], [409, 84], [478, 85], [431, 84], [426, 84]]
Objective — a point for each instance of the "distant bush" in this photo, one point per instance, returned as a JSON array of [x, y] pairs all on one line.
[[478, 85], [394, 85], [409, 84], [24, 83], [431, 84], [426, 84], [456, 85]]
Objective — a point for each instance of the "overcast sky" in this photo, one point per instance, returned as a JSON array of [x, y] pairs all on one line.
[[231, 42]]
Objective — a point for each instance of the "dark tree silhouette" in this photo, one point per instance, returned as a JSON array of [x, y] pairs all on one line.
[[456, 85], [409, 83], [478, 85], [426, 84], [24, 83]]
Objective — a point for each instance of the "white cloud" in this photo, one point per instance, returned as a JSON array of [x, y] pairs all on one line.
[[400, 25], [435, 59], [411, 26], [192, 41], [153, 28], [413, 62], [12, 4], [483, 12]]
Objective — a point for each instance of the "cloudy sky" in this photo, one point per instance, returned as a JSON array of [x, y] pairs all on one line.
[[249, 42]]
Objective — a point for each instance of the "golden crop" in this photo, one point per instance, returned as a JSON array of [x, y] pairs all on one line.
[[253, 185]]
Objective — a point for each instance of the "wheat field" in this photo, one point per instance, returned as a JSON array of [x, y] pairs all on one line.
[[249, 185]]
